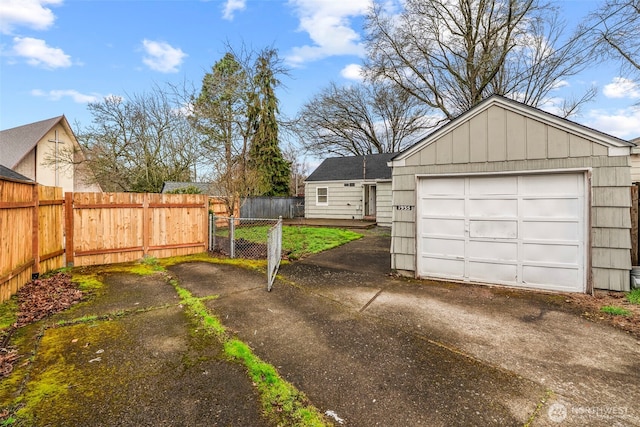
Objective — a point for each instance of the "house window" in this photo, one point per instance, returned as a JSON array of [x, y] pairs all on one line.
[[322, 196]]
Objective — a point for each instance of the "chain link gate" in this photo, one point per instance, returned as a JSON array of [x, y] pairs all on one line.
[[249, 238], [274, 252]]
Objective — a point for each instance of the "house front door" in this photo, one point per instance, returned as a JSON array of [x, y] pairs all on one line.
[[370, 200]]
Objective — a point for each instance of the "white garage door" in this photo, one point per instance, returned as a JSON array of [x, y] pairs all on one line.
[[524, 230]]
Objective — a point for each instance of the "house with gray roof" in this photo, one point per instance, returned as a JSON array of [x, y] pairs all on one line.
[[354, 187], [11, 175], [47, 152]]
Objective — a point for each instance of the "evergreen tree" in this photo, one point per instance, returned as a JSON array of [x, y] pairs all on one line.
[[265, 156]]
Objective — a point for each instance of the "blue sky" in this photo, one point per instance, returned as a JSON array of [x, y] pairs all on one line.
[[58, 55]]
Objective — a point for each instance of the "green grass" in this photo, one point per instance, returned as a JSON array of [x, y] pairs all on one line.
[[616, 311], [634, 296], [8, 313], [280, 399], [298, 241], [302, 241]]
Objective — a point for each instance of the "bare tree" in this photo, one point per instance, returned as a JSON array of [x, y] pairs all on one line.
[[361, 119], [616, 33], [138, 142], [452, 54]]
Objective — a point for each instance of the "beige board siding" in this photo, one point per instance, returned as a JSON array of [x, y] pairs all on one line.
[[610, 181], [484, 138], [635, 168], [383, 204], [344, 202]]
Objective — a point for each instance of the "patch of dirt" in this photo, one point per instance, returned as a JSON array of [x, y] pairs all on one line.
[[589, 308], [37, 299], [243, 248]]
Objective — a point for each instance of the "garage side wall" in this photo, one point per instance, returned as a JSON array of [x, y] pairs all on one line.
[[499, 140], [383, 204]]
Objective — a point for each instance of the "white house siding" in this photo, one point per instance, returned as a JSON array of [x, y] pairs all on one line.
[[501, 140], [344, 202], [383, 204]]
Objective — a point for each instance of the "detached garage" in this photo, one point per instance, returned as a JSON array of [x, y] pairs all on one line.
[[508, 194]]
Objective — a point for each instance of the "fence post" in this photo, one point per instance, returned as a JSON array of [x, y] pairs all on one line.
[[146, 225], [232, 238], [35, 232], [68, 224]]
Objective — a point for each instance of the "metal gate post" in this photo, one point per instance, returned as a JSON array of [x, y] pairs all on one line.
[[211, 231], [232, 238]]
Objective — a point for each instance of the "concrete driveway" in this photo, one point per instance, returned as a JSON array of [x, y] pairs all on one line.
[[379, 350], [365, 347]]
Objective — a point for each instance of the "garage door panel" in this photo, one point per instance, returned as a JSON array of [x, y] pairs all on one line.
[[446, 247], [492, 272], [440, 267], [550, 208], [443, 227], [493, 229], [443, 207], [493, 185], [550, 277], [546, 184], [561, 254], [496, 208], [504, 251], [540, 230], [442, 186]]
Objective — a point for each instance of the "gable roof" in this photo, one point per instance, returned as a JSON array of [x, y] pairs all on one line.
[[369, 167], [12, 175], [594, 135], [15, 143]]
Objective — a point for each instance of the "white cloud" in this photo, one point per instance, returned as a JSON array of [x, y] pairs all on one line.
[[39, 54], [162, 57], [622, 88], [77, 97], [231, 6], [623, 123], [328, 24], [26, 13], [352, 72]]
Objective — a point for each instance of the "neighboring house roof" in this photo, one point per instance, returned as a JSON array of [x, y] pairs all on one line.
[[205, 187], [368, 167], [15, 143], [592, 134], [7, 173]]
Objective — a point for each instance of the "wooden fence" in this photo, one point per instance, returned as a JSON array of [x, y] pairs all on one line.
[[41, 231], [31, 233], [106, 228], [272, 207]]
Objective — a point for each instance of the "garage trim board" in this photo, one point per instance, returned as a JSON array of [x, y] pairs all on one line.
[[523, 230]]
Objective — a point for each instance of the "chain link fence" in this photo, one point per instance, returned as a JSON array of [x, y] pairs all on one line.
[[240, 237]]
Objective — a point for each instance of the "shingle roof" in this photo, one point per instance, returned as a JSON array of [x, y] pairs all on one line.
[[369, 167], [15, 143], [5, 172]]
